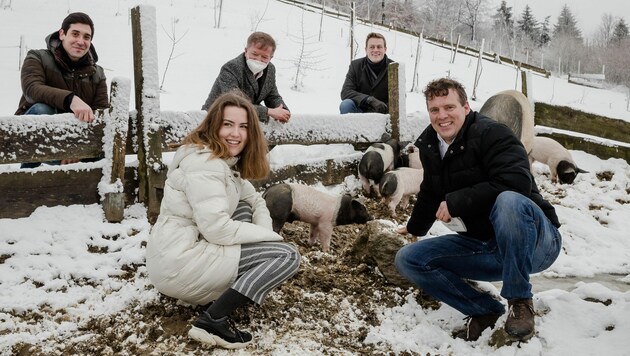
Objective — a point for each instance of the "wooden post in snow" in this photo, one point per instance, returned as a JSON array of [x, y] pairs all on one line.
[[459, 36], [321, 21], [394, 96], [524, 83], [478, 71], [151, 171], [116, 130], [353, 18], [22, 50], [415, 86]]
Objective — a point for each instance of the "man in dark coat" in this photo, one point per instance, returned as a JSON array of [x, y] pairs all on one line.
[[64, 77], [366, 86], [252, 73], [478, 183]]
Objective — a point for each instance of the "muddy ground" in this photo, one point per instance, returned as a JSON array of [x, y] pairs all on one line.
[[330, 302]]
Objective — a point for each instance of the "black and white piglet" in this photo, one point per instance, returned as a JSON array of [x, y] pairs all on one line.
[[562, 166], [379, 158], [399, 185], [290, 202]]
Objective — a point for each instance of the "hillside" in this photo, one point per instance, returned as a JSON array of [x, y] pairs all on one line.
[[74, 284]]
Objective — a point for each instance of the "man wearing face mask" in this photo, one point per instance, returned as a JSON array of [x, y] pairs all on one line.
[[255, 76], [366, 86]]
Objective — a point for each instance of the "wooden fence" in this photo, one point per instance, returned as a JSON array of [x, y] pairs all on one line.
[[44, 138], [572, 128]]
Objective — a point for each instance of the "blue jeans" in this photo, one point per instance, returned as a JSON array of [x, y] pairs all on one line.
[[526, 242], [40, 109], [348, 106]]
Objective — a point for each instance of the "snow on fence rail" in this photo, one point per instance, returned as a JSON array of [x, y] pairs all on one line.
[[57, 137], [588, 80]]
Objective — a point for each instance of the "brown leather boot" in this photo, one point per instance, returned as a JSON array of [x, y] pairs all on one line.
[[475, 325], [520, 321]]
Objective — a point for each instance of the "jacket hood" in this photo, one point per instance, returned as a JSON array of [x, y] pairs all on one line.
[[53, 42]]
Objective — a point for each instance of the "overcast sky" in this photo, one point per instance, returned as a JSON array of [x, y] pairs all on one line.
[[588, 13]]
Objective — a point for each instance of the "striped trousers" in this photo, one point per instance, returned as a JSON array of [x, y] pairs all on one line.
[[263, 265]]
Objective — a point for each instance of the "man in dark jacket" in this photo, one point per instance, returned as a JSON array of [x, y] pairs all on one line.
[[253, 73], [64, 77], [478, 183], [365, 88]]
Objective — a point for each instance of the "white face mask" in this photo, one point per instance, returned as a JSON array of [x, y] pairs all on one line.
[[256, 66]]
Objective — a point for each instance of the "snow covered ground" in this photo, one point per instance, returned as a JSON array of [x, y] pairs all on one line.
[[64, 266]]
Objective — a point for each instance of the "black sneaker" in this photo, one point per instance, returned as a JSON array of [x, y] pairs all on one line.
[[221, 332], [475, 326], [520, 321]]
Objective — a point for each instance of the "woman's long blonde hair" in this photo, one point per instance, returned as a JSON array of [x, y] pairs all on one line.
[[253, 163]]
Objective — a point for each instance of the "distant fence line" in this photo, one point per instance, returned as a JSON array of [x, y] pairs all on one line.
[[471, 51]]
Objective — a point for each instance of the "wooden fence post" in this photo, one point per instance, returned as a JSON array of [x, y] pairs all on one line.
[[151, 170], [22, 51], [353, 17], [415, 86], [394, 95], [478, 71], [114, 149], [524, 83]]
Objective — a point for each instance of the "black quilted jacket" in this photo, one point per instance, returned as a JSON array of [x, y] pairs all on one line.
[[484, 160]]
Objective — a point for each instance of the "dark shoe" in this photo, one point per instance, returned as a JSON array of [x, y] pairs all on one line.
[[221, 332], [520, 321], [475, 325]]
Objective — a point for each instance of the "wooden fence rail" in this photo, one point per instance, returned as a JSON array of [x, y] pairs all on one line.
[[56, 137]]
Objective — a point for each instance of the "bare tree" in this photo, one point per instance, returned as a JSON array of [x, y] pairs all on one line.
[[5, 4], [469, 15], [174, 41], [440, 17], [256, 17], [307, 57], [605, 30], [217, 14]]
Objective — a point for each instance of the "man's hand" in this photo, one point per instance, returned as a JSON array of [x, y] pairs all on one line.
[[376, 105], [402, 230], [81, 110], [442, 213], [279, 114]]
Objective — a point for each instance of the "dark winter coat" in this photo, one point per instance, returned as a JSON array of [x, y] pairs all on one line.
[[484, 160], [48, 77], [358, 85], [235, 74]]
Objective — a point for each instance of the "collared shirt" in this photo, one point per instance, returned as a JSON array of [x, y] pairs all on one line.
[[443, 146]]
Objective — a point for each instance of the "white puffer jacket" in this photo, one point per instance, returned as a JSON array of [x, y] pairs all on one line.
[[194, 247]]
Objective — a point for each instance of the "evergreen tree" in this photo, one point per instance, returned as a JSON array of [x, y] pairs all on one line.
[[503, 21], [566, 28], [620, 32], [528, 26], [545, 33]]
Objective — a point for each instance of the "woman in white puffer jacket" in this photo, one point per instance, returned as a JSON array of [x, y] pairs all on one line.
[[199, 250]]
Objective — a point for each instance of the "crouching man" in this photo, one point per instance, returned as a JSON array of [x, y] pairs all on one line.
[[476, 172]]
